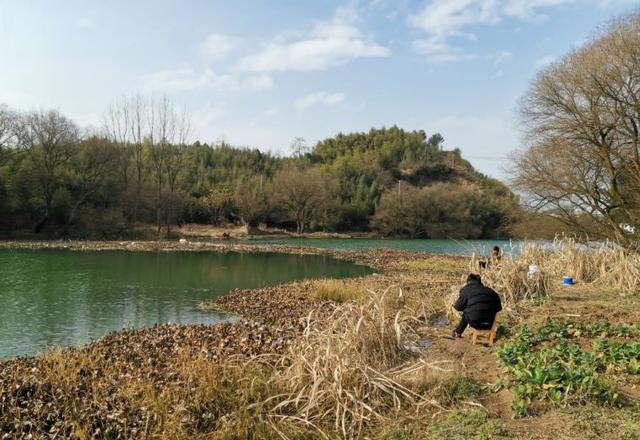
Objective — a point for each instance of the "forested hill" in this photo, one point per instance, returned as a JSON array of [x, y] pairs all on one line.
[[56, 182], [406, 184], [391, 154]]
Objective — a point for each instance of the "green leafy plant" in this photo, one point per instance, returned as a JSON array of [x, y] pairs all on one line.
[[546, 365]]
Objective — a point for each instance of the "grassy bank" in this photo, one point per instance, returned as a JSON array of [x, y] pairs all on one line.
[[360, 358]]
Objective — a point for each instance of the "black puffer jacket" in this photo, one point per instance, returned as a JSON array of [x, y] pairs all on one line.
[[478, 302]]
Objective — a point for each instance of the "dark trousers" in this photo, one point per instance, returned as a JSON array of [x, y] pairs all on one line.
[[480, 325]]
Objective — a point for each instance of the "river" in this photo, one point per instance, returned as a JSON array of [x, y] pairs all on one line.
[[460, 247], [60, 297]]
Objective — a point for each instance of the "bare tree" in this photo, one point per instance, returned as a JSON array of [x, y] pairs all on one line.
[[299, 147], [582, 121], [50, 140], [441, 210], [137, 112], [168, 131], [90, 168], [304, 195], [153, 136], [8, 131], [160, 128], [174, 159], [127, 125], [117, 124], [250, 199]]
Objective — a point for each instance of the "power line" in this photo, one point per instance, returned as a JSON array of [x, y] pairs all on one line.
[[485, 157]]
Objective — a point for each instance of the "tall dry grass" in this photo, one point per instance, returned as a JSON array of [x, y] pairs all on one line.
[[603, 265], [338, 291], [511, 276], [335, 379], [606, 265]]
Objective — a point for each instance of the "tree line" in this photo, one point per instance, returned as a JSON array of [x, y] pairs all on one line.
[[140, 169]]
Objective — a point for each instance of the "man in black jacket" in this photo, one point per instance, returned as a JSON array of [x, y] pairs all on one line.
[[478, 304]]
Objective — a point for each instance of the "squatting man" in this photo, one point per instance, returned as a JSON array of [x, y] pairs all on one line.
[[479, 305]]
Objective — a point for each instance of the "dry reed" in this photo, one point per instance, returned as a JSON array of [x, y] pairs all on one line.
[[512, 276], [538, 267], [338, 291], [337, 373]]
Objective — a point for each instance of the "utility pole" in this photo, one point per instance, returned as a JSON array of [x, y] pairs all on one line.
[[398, 188]]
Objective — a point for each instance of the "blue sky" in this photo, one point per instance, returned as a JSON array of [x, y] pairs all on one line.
[[261, 73]]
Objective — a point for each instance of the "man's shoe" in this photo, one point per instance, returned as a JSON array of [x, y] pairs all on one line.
[[455, 334]]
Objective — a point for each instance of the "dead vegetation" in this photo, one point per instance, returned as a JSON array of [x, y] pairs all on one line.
[[338, 371], [539, 268], [338, 291]]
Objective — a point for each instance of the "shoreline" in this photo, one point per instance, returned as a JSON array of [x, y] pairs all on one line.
[[376, 258]]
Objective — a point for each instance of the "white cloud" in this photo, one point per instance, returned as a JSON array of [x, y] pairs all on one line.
[[500, 57], [84, 23], [318, 98], [217, 46], [187, 79], [544, 61], [390, 9], [89, 120], [256, 82], [208, 122], [330, 43], [203, 117], [181, 80], [437, 50], [527, 9], [606, 3], [444, 20]]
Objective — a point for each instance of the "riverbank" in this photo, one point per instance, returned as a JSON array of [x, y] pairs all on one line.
[[375, 258], [375, 346]]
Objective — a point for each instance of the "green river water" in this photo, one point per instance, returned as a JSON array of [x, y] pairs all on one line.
[[61, 298], [460, 247]]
